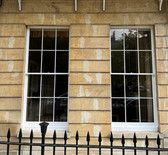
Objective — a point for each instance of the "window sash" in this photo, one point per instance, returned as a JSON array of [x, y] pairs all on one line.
[[27, 74], [153, 125]]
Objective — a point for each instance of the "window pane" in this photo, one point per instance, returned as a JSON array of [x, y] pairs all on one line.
[[131, 61], [117, 60], [62, 62], [145, 59], [46, 110], [131, 39], [47, 86], [49, 39], [48, 61], [132, 110], [35, 39], [144, 40], [32, 109], [117, 85], [34, 61], [61, 110], [118, 110], [131, 85], [61, 86], [117, 39], [62, 40], [146, 110], [34, 85], [145, 84]]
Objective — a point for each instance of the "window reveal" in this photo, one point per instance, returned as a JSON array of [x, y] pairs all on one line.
[[131, 75], [47, 95]]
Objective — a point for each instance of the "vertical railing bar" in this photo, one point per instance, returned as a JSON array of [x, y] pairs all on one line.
[[88, 142], [43, 133], [54, 141], [158, 143], [20, 140], [31, 141], [123, 144], [65, 142], [111, 143], [100, 140], [77, 139], [135, 141], [147, 144], [8, 141]]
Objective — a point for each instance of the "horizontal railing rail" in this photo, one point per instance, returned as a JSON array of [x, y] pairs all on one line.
[[76, 146]]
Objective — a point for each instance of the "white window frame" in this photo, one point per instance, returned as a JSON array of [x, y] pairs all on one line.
[[137, 126], [26, 125]]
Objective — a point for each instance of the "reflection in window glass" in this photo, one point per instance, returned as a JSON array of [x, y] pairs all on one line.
[[131, 39], [131, 61], [118, 110], [117, 37], [32, 109], [48, 63], [34, 61], [117, 85], [46, 109], [35, 39], [61, 110], [131, 75], [117, 64], [144, 39], [146, 110]]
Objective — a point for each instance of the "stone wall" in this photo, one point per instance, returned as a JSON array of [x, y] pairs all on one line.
[[89, 87]]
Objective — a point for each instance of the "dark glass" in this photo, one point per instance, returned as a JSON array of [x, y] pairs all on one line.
[[146, 110], [118, 110], [132, 107], [32, 109], [62, 40], [145, 59], [117, 61], [33, 85], [131, 85], [131, 62], [61, 86], [35, 39], [61, 110], [47, 86], [131, 39], [144, 39], [49, 39], [46, 109], [34, 61], [145, 84], [62, 62], [117, 37], [48, 61], [117, 85]]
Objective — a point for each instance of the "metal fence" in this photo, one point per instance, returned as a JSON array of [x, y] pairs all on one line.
[[76, 146]]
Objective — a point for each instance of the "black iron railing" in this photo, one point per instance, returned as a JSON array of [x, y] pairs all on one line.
[[76, 146]]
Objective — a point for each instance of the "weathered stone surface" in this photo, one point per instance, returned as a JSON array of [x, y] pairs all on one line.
[[10, 116], [161, 29], [162, 78], [89, 91], [11, 78], [10, 104], [11, 66], [89, 78], [90, 66], [90, 54], [12, 30], [10, 90], [12, 54], [89, 104], [12, 42], [162, 66], [162, 42], [163, 104]]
